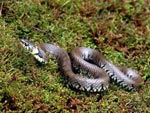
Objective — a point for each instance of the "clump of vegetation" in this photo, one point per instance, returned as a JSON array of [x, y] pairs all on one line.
[[119, 29]]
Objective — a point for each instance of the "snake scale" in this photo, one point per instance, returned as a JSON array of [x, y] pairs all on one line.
[[99, 71]]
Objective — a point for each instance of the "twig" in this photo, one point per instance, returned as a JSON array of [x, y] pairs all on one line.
[[1, 8], [43, 31]]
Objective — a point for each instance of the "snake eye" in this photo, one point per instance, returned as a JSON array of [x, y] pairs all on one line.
[[24, 42]]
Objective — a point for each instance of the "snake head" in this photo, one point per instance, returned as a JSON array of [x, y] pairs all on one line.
[[38, 54], [28, 45]]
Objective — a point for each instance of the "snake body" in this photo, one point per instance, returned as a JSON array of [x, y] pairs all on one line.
[[99, 71]]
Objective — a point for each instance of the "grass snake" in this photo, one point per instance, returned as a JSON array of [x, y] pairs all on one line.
[[88, 61]]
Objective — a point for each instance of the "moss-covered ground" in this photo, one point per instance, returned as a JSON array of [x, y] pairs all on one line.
[[120, 30]]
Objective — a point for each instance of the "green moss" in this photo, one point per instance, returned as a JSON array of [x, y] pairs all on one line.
[[119, 29]]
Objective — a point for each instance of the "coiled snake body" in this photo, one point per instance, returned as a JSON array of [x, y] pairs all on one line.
[[88, 61]]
